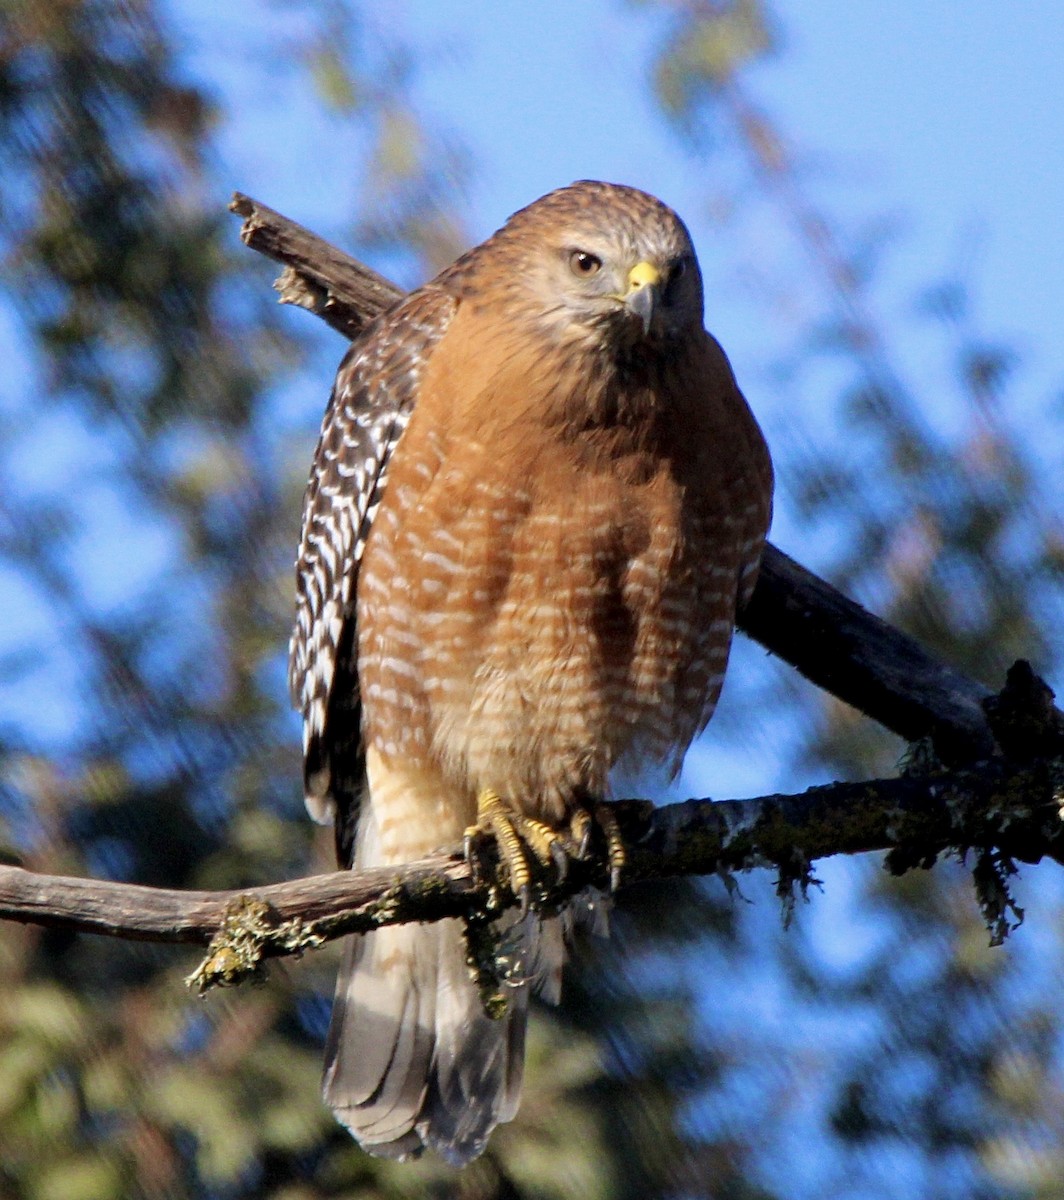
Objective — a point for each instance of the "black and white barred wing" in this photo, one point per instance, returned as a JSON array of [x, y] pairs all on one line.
[[375, 392]]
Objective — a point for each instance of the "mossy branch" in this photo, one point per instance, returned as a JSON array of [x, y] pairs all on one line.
[[998, 811]]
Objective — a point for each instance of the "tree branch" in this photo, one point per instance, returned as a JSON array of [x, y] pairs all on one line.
[[317, 276], [1001, 811], [859, 658]]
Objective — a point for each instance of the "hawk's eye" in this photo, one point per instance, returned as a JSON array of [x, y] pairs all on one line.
[[582, 263]]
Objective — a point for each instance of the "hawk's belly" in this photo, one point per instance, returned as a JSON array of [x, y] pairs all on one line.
[[540, 633]]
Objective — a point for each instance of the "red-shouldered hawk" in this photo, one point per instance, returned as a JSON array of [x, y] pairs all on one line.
[[537, 501]]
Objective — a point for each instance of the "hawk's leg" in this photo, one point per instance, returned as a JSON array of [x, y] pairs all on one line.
[[581, 827], [515, 836]]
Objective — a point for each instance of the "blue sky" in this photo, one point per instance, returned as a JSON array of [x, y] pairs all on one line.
[[949, 115], [953, 115]]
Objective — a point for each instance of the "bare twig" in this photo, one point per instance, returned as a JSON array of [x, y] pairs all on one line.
[[317, 276]]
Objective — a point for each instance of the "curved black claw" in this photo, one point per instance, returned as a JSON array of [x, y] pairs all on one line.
[[560, 857]]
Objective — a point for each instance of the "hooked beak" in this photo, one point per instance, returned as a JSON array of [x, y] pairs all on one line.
[[644, 293]]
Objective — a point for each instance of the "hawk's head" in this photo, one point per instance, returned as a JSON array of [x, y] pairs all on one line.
[[603, 261]]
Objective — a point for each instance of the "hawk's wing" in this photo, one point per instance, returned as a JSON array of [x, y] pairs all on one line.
[[375, 391]]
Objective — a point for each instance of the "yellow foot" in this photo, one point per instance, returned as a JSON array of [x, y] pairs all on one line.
[[581, 827], [515, 835]]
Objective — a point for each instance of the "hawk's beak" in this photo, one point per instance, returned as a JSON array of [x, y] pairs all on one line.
[[644, 293]]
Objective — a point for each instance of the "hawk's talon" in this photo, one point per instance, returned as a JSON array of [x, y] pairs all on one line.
[[544, 842], [616, 854], [580, 831], [581, 828], [519, 839]]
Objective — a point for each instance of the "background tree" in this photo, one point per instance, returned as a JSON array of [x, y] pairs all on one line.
[[952, 535], [158, 420]]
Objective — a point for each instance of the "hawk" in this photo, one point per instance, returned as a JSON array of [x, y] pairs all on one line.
[[537, 502]]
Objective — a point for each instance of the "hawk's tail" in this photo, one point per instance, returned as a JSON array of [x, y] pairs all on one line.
[[411, 1058]]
